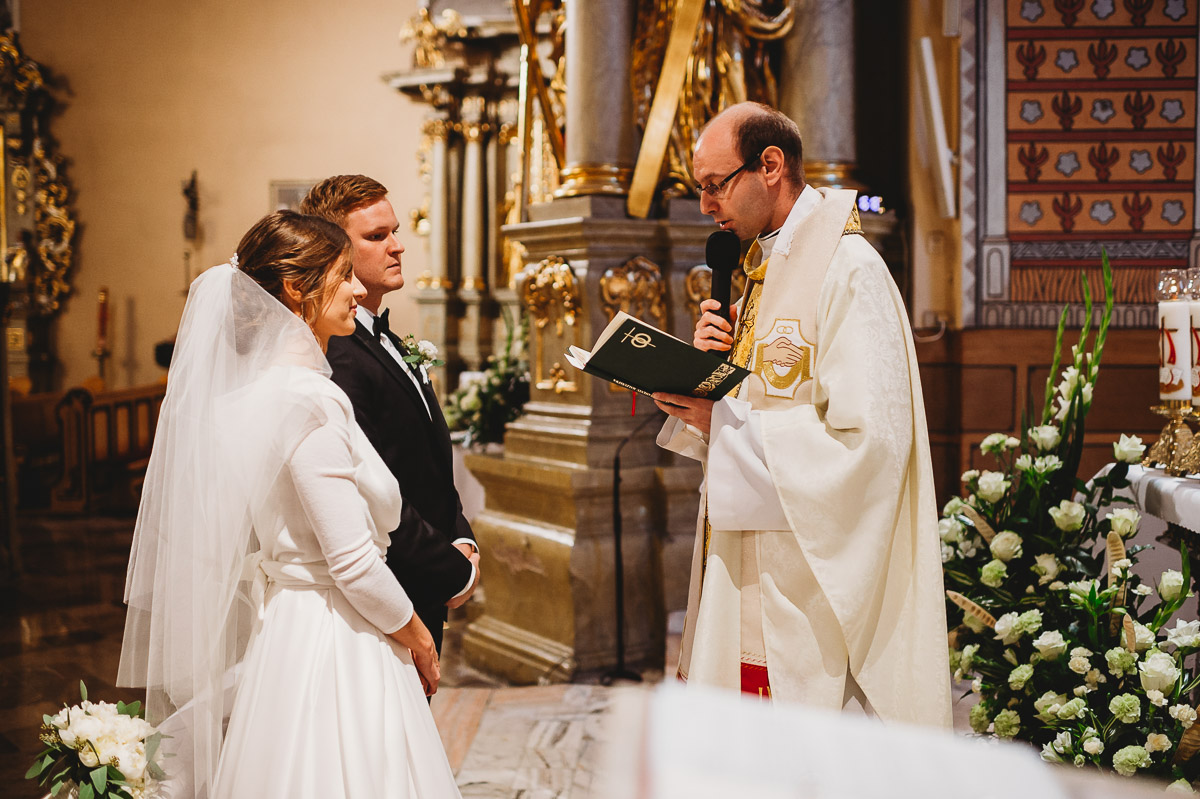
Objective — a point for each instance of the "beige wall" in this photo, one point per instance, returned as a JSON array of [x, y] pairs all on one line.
[[243, 92], [936, 245]]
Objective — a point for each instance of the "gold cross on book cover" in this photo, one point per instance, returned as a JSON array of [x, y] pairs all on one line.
[[642, 358]]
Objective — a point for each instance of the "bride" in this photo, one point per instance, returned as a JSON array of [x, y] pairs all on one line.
[[257, 587]]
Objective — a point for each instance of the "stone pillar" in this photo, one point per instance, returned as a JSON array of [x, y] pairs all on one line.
[[600, 129], [439, 206], [817, 89], [435, 289], [474, 201], [475, 335]]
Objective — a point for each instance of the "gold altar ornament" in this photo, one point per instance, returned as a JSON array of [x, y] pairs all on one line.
[[431, 35], [550, 293], [637, 288], [1175, 440]]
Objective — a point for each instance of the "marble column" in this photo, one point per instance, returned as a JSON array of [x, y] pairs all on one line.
[[817, 89], [475, 333], [600, 129], [439, 206], [474, 200]]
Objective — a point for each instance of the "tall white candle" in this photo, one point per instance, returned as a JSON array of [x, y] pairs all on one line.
[[1194, 342], [1174, 350]]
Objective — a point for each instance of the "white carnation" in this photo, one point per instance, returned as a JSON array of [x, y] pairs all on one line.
[[996, 442], [1046, 437], [1184, 714], [1185, 634]]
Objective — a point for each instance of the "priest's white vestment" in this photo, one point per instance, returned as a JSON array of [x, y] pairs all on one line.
[[821, 560]]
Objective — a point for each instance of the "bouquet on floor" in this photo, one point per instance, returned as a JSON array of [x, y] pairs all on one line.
[[98, 750], [1065, 646]]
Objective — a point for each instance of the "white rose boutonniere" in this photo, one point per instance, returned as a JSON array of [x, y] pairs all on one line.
[[420, 353]]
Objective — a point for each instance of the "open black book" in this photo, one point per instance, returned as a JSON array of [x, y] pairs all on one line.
[[643, 358]]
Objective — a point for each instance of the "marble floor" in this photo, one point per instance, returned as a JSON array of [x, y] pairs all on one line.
[[63, 618]]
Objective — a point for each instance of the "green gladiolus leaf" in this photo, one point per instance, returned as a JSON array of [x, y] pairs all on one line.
[[35, 770], [86, 791], [99, 777], [82, 691]]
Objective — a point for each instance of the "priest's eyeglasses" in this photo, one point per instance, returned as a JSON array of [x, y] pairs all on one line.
[[715, 189]]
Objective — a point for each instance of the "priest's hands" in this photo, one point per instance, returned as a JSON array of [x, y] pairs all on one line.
[[692, 410], [415, 636], [713, 332]]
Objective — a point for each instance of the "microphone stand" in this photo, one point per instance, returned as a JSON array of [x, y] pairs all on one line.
[[620, 672]]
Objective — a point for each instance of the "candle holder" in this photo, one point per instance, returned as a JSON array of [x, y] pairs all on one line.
[[101, 354], [1175, 441]]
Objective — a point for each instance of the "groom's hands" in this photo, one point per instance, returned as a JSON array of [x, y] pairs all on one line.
[[470, 554], [415, 636]]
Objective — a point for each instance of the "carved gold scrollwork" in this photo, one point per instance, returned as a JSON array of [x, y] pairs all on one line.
[[637, 288], [697, 287], [431, 35], [41, 258], [550, 294]]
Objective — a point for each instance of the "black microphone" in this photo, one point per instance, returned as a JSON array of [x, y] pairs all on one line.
[[722, 253]]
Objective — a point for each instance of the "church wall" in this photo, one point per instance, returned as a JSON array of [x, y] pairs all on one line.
[[935, 250], [245, 93]]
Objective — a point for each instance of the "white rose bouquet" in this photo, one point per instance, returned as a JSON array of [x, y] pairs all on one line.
[[103, 750], [1065, 646]]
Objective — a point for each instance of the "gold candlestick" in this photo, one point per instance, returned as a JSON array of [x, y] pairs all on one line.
[[1174, 443]]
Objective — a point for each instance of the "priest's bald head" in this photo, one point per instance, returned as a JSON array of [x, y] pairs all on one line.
[[749, 164]]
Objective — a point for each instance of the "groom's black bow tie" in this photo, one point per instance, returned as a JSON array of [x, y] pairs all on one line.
[[381, 324]]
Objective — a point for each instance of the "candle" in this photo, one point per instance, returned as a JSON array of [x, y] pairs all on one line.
[[1194, 342], [1174, 350], [102, 320]]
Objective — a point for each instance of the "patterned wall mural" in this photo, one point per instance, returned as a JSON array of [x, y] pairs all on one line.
[[1098, 123]]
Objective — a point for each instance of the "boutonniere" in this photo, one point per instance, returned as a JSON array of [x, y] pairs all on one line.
[[420, 353]]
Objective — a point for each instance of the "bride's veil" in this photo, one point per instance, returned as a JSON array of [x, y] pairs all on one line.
[[236, 405]]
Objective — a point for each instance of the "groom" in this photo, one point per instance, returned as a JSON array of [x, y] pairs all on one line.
[[433, 552]]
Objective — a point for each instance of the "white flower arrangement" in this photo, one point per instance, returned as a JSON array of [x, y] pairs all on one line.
[[1069, 648], [103, 750]]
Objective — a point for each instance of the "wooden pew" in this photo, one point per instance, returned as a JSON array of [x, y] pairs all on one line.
[[106, 440]]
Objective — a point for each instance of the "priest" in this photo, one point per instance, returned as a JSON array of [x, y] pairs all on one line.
[[817, 575]]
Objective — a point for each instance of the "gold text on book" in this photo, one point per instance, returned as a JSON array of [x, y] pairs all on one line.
[[715, 379]]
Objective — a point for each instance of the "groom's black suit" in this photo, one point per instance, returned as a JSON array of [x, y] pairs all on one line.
[[417, 450]]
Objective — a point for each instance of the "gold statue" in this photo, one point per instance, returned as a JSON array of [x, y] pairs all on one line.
[[734, 59]]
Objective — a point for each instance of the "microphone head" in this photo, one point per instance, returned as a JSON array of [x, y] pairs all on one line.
[[723, 251]]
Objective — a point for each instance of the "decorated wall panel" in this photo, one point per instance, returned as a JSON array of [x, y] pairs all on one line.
[[1088, 120]]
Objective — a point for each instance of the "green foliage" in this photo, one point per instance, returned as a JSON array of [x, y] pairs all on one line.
[[483, 407]]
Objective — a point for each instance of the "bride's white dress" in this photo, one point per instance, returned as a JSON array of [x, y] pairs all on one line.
[[327, 705]]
